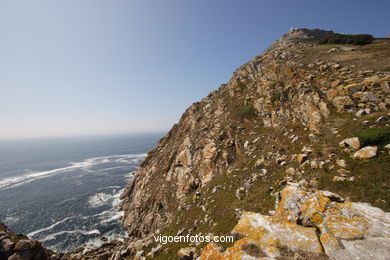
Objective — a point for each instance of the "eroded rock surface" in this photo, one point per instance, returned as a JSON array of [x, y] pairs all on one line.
[[366, 152], [19, 247], [313, 221]]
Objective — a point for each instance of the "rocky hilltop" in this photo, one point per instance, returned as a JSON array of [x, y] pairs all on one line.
[[275, 156]]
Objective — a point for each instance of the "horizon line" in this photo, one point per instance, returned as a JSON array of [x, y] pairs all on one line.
[[82, 135]]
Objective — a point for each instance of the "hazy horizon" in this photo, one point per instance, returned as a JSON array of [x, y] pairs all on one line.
[[97, 67], [81, 135]]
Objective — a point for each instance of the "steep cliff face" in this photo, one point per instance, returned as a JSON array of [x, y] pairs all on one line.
[[296, 94]]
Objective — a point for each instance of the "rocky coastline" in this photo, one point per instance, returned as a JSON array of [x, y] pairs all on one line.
[[294, 150]]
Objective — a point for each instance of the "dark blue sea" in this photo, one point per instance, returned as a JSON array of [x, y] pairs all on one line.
[[65, 191]]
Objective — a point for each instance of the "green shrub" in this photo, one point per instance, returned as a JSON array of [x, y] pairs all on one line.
[[375, 136], [273, 85], [275, 96], [333, 39], [247, 111], [355, 39]]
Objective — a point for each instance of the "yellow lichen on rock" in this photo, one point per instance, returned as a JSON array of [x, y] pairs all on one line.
[[314, 206], [345, 227], [287, 208], [272, 234], [243, 249], [328, 241], [311, 221]]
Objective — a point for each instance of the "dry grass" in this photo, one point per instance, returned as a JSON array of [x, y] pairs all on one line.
[[375, 56]]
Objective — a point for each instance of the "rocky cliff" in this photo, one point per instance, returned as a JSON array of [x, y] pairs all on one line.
[[18, 246], [264, 157], [281, 118]]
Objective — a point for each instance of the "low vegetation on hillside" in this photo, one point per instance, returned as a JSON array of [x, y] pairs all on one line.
[[354, 39]]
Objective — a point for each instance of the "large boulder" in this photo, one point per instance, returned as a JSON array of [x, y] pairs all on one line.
[[311, 222]]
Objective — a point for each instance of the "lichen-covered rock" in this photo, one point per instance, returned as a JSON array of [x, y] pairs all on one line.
[[366, 152], [269, 233], [245, 248], [313, 221], [313, 116], [343, 103], [352, 142]]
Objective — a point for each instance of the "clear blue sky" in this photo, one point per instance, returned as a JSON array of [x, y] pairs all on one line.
[[75, 67]]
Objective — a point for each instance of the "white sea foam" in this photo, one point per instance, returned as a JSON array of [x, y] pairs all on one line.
[[84, 165], [100, 199], [10, 220], [109, 187], [18, 180], [96, 242], [31, 234], [111, 168], [132, 159], [70, 199], [130, 175], [115, 216], [106, 216], [83, 232]]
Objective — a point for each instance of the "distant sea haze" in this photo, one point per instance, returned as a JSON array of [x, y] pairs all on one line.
[[65, 192]]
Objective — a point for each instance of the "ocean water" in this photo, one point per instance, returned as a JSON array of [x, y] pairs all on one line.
[[65, 191]]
